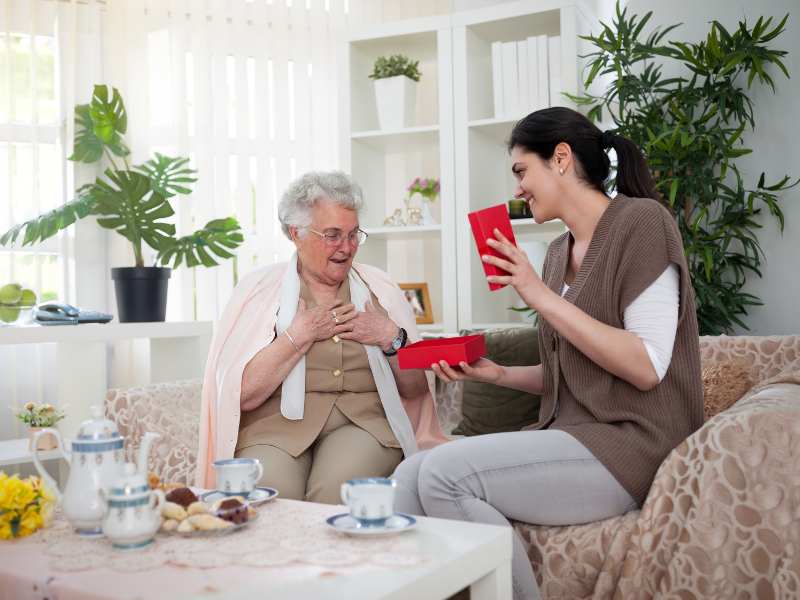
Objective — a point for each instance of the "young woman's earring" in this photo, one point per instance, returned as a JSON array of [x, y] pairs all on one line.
[[561, 171]]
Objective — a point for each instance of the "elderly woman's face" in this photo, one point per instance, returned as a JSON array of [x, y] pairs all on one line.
[[329, 263]]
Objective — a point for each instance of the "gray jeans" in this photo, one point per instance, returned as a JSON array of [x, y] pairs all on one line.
[[540, 477]]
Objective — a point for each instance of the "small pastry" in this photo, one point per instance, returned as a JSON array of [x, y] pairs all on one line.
[[218, 503], [197, 508], [169, 525], [233, 510], [153, 480], [185, 526], [170, 510], [183, 496], [207, 522]]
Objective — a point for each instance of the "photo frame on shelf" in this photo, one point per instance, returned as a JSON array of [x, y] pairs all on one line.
[[419, 298]]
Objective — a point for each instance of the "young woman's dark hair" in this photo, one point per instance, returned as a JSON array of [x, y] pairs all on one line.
[[541, 131]]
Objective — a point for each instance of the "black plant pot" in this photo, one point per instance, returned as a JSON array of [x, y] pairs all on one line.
[[141, 293]]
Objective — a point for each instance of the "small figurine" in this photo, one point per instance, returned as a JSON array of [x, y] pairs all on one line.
[[396, 219]]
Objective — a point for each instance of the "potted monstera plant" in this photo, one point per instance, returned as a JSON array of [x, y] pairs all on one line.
[[134, 201]]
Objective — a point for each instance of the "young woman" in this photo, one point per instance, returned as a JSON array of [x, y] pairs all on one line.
[[620, 372]]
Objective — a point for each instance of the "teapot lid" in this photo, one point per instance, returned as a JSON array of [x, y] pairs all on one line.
[[98, 428], [129, 483]]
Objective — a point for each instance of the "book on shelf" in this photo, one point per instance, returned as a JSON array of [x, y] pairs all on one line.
[[523, 73], [543, 98], [526, 75], [497, 79], [533, 77], [510, 79], [554, 67]]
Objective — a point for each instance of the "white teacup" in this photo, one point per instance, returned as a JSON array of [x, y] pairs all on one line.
[[238, 475], [371, 500]]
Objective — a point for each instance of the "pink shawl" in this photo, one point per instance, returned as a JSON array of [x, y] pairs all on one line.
[[247, 326]]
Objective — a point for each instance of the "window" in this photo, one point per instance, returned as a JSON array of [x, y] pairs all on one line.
[[31, 158]]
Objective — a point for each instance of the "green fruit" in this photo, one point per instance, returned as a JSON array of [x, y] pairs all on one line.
[[10, 293], [8, 315], [28, 298]]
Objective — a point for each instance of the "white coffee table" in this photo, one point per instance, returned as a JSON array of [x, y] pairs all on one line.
[[467, 555], [306, 561]]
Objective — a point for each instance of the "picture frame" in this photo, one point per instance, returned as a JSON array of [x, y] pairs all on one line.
[[419, 298]]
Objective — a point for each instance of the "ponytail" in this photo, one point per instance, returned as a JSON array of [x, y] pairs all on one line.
[[541, 131]]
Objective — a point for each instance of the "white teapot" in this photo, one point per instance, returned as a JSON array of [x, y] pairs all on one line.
[[96, 461], [133, 510]]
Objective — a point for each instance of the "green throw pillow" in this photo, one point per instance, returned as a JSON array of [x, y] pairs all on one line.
[[488, 408]]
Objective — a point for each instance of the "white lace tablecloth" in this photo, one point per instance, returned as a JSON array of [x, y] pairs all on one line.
[[288, 541]]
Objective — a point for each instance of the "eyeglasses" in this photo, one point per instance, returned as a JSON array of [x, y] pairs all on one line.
[[334, 237]]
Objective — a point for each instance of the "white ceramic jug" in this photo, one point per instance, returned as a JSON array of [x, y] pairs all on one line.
[[96, 461], [133, 510]]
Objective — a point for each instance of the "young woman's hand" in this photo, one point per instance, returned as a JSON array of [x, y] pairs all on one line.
[[482, 370], [522, 276]]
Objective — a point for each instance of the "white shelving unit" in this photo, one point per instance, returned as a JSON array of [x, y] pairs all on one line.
[[385, 162], [177, 350], [456, 137], [483, 169]]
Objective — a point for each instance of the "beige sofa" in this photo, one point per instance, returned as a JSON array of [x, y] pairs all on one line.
[[722, 519]]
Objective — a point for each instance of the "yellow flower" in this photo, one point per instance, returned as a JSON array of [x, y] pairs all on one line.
[[5, 530], [30, 522], [29, 406], [6, 533], [15, 494]]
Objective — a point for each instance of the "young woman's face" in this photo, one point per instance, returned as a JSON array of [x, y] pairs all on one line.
[[538, 183]]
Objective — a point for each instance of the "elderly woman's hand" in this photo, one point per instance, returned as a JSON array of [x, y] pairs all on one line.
[[371, 328], [321, 323]]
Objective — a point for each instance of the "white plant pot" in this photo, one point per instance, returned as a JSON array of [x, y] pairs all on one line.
[[396, 98]]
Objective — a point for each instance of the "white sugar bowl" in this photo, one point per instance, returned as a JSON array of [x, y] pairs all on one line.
[[133, 511]]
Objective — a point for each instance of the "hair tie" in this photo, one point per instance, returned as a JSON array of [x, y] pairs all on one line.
[[607, 139]]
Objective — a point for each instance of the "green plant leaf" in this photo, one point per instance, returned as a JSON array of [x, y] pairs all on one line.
[[217, 238], [168, 176], [87, 147], [47, 225], [131, 208], [109, 119]]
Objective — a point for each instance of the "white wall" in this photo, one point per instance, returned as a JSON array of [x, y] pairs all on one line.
[[774, 142]]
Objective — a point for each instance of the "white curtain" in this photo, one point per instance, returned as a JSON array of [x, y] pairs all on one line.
[[50, 52], [248, 91]]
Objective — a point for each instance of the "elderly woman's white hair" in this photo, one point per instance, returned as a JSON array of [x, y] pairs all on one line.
[[303, 193]]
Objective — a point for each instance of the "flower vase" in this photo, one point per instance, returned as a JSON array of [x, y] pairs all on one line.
[[427, 215], [46, 442]]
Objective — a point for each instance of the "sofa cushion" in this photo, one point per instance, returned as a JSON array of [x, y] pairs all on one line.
[[723, 384], [488, 408]]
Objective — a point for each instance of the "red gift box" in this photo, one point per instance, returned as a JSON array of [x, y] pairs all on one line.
[[483, 224], [454, 350]]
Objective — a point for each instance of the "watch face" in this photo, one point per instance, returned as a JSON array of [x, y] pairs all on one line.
[[396, 343]]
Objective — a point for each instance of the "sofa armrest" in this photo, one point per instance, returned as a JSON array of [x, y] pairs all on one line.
[[171, 410], [718, 521], [768, 356]]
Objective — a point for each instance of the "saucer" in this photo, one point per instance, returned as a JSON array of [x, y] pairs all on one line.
[[397, 523], [254, 498]]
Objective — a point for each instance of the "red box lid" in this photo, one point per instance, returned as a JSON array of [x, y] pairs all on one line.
[[454, 350], [483, 224]]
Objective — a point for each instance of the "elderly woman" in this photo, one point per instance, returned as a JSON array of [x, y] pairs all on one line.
[[302, 372]]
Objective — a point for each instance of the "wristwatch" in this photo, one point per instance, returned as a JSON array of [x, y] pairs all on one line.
[[398, 342]]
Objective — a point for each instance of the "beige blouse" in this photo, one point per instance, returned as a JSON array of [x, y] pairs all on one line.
[[337, 374]]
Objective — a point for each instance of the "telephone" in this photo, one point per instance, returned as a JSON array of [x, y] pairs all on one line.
[[61, 313]]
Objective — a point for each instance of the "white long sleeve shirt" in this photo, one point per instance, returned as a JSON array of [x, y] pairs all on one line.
[[653, 317]]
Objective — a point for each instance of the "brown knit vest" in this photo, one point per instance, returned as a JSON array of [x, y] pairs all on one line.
[[629, 431]]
